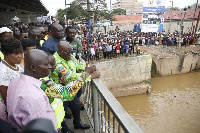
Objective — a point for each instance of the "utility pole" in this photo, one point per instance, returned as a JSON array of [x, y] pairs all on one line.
[[192, 28], [196, 28], [66, 12], [181, 25], [179, 38], [89, 21], [170, 18], [111, 11]]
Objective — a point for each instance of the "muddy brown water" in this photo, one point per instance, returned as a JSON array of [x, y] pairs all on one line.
[[172, 107]]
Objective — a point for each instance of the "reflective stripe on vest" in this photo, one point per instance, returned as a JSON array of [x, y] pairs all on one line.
[[1, 55], [57, 106]]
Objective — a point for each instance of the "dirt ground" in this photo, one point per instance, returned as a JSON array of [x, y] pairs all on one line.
[[168, 51]]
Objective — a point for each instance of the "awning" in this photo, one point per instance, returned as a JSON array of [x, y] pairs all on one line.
[[23, 6]]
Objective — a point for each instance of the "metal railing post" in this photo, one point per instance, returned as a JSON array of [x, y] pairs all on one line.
[[95, 103]]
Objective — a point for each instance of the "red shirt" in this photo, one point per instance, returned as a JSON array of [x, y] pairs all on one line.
[[118, 46]]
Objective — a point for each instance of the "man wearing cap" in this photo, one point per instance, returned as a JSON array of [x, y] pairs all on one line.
[[5, 33]]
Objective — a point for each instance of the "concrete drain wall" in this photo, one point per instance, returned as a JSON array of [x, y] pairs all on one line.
[[177, 65], [126, 76]]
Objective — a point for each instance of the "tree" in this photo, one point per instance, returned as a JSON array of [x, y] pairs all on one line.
[[119, 11], [60, 14], [104, 13], [99, 7], [74, 12], [78, 10]]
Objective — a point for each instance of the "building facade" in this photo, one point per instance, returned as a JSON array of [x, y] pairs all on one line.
[[132, 7]]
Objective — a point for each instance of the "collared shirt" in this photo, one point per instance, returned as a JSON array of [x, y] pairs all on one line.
[[27, 101], [50, 45], [71, 70]]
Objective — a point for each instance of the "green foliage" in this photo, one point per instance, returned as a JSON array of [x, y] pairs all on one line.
[[104, 13], [119, 11], [78, 10], [60, 14]]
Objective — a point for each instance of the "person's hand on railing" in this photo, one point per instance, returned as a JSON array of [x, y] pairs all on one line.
[[95, 74], [90, 69]]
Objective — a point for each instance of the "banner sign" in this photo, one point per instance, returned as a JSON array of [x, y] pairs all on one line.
[[153, 15], [43, 18]]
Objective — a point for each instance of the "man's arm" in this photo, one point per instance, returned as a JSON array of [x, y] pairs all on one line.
[[79, 66], [66, 93]]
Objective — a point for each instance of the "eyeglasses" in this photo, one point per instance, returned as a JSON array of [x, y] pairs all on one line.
[[68, 52]]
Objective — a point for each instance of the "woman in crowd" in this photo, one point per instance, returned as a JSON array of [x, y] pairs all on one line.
[[12, 50]]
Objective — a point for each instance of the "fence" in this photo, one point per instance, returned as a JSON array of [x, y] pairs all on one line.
[[105, 113]]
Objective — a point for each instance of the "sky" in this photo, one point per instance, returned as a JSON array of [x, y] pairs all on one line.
[[54, 5]]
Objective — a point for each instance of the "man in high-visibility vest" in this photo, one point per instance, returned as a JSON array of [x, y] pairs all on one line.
[[68, 66], [58, 93]]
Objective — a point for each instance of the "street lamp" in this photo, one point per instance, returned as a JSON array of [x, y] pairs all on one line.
[[170, 18]]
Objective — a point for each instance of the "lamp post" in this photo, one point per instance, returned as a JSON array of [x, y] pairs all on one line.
[[66, 12], [170, 18]]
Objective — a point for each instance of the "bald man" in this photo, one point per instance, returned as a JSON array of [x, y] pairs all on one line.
[[25, 99], [71, 70], [51, 44]]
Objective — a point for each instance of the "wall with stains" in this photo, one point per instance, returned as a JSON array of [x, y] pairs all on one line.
[[128, 74], [177, 64]]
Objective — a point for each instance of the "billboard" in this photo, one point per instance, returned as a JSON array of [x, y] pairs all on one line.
[[153, 15]]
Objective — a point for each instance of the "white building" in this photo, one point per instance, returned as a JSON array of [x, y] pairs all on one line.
[[132, 7]]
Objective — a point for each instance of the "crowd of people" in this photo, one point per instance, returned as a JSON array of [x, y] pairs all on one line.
[[40, 77], [115, 44], [42, 74]]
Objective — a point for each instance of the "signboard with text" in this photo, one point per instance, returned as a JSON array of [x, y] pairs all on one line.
[[153, 15]]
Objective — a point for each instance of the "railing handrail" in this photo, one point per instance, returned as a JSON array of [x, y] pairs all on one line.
[[120, 113]]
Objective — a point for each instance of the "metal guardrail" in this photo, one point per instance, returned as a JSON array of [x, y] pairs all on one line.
[[104, 112]]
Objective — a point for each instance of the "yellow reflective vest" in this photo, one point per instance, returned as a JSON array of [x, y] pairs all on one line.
[[1, 55], [57, 106]]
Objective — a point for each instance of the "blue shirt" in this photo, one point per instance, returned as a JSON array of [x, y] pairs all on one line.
[[127, 47], [50, 45]]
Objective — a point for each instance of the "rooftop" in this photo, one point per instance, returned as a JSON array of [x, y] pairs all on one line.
[[127, 19], [23, 6], [176, 14]]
